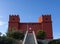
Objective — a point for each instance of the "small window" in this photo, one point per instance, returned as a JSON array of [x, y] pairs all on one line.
[[13, 19], [46, 18]]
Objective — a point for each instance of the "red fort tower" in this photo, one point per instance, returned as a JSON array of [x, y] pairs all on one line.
[[44, 23]]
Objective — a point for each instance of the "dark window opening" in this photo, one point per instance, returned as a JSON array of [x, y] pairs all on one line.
[[46, 18], [13, 19]]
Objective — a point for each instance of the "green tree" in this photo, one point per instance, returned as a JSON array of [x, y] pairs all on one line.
[[41, 34], [0, 33], [15, 34]]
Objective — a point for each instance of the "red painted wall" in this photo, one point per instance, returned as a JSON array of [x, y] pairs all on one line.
[[44, 23]]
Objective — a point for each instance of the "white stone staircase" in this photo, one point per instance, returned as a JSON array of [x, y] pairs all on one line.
[[29, 38]]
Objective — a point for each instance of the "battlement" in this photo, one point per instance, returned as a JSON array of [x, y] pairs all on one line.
[[47, 15], [13, 15]]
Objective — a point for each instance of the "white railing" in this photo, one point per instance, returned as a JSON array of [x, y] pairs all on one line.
[[35, 38], [25, 37]]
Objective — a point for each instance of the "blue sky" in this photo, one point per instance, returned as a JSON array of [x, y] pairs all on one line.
[[29, 11]]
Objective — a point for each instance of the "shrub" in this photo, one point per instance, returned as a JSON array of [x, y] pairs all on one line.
[[41, 34]]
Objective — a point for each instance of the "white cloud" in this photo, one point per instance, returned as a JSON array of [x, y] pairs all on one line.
[[2, 23]]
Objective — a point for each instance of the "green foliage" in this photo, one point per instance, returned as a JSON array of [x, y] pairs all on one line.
[[0, 33], [6, 40], [41, 34], [15, 34], [55, 42]]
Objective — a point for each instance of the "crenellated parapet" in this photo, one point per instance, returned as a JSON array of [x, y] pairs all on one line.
[[13, 15], [46, 15]]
